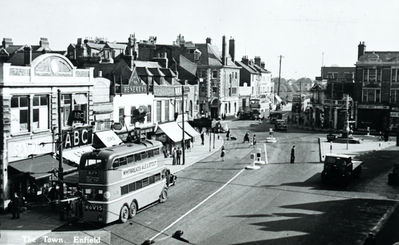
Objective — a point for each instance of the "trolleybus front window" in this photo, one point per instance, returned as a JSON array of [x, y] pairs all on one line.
[[93, 164]]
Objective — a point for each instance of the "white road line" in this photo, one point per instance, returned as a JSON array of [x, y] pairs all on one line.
[[199, 204]]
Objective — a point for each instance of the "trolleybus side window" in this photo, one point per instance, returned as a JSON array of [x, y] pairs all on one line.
[[150, 153], [145, 182], [143, 155], [116, 163], [122, 161], [137, 157], [130, 159], [140, 184], [157, 177]]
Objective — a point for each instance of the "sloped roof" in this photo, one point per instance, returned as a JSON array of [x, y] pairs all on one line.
[[143, 71], [19, 58], [148, 64], [246, 67], [260, 69], [381, 56], [208, 56], [97, 46], [116, 45], [156, 72], [168, 72]]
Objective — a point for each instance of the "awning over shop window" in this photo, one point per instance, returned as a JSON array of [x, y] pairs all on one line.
[[39, 167], [189, 130], [106, 139], [173, 131], [72, 179], [278, 98], [74, 154]]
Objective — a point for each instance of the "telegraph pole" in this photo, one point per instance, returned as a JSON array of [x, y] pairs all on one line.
[[279, 76], [182, 118], [347, 121], [60, 146]]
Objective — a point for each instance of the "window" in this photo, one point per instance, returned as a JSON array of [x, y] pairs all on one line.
[[144, 155], [80, 103], [66, 108], [236, 74], [149, 113], [40, 112], [130, 159], [214, 74], [122, 161], [132, 111], [20, 114], [159, 113], [122, 116], [395, 75], [371, 95], [377, 96], [167, 110], [145, 182], [137, 157]]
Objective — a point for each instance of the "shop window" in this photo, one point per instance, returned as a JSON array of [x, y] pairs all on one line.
[[20, 114], [167, 111], [132, 111], [214, 74], [80, 104], [159, 112], [40, 120]]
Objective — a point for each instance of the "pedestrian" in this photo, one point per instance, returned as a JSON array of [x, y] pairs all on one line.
[[202, 137], [179, 152], [165, 151], [15, 206], [174, 153], [222, 153], [246, 137], [228, 134], [79, 202], [254, 140], [293, 154]]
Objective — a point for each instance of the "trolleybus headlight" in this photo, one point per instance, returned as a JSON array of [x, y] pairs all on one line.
[[107, 195]]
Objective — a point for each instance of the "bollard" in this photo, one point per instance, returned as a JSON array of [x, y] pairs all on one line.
[[258, 159], [253, 166], [266, 160]]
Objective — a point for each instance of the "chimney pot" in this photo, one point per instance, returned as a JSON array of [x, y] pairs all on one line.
[[27, 55], [361, 49], [208, 40], [257, 60], [224, 50], [232, 49]]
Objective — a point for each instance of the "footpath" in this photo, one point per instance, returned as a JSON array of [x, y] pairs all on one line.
[[41, 220]]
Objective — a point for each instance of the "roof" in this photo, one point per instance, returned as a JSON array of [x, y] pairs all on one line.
[[208, 56], [260, 69], [156, 72], [148, 64], [116, 45], [246, 67], [380, 56], [143, 71], [19, 58], [168, 72], [97, 46]]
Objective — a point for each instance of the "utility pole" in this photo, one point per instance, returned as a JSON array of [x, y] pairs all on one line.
[[182, 118], [331, 104], [279, 76], [347, 122], [60, 146]]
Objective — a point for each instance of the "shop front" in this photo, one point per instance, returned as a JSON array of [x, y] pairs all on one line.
[[171, 135], [376, 117]]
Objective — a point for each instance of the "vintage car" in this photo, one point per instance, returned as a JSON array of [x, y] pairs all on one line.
[[280, 125], [340, 169]]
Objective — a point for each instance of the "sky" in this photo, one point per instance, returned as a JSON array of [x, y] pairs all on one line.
[[307, 33]]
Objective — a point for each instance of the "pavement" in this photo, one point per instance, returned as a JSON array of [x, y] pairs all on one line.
[[41, 220]]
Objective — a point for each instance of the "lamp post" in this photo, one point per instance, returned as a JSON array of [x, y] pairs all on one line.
[[60, 148], [182, 118]]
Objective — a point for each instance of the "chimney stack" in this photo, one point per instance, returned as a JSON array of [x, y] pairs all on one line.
[[224, 50], [6, 42], [44, 43], [245, 60], [262, 64], [361, 49], [257, 60], [27, 55], [232, 49], [208, 40]]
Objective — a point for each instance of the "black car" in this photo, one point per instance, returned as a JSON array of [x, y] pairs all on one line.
[[331, 137]]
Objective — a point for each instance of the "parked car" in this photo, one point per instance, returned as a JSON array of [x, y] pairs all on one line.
[[350, 140], [331, 137], [170, 178], [280, 125]]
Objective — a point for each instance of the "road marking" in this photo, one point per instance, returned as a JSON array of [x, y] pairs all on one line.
[[199, 204]]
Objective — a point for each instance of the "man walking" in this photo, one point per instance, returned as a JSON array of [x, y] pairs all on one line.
[[228, 134], [293, 154], [178, 155], [202, 137], [254, 140], [246, 137]]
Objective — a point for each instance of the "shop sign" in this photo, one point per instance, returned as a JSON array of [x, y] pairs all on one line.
[[373, 107], [394, 113], [138, 168], [77, 137], [22, 149], [134, 89]]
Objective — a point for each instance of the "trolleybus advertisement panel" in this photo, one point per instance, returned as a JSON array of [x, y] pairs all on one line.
[[138, 168]]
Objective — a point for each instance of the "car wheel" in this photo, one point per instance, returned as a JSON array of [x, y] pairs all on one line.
[[133, 209], [124, 214], [164, 195]]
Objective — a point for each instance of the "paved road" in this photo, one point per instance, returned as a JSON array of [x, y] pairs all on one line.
[[281, 203]]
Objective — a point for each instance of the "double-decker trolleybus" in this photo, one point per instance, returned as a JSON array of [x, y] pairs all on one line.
[[117, 181]]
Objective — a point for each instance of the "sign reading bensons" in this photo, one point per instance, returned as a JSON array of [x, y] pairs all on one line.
[[77, 137], [138, 168]]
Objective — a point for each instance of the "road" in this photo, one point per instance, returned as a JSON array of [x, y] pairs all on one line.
[[280, 203]]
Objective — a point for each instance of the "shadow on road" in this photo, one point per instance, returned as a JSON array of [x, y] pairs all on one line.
[[325, 222]]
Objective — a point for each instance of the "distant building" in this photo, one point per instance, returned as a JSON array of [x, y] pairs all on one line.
[[376, 90]]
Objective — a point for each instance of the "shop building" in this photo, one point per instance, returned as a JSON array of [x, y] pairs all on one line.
[[30, 85]]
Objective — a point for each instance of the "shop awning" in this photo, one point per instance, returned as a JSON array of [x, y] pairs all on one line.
[[74, 154], [39, 167], [72, 179], [189, 130], [106, 139], [173, 131], [278, 98]]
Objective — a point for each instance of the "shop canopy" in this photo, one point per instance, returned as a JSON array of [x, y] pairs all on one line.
[[173, 131], [39, 167], [74, 154], [106, 139], [278, 98], [189, 130]]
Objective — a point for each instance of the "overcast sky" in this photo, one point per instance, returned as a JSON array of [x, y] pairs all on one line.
[[300, 30]]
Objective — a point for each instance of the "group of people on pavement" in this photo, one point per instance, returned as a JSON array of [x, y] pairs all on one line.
[[176, 155]]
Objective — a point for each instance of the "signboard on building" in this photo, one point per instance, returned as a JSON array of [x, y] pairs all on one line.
[[134, 89], [380, 107], [77, 137], [22, 149], [394, 114]]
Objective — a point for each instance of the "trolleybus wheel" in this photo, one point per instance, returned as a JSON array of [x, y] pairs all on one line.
[[124, 215], [164, 195], [133, 209]]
